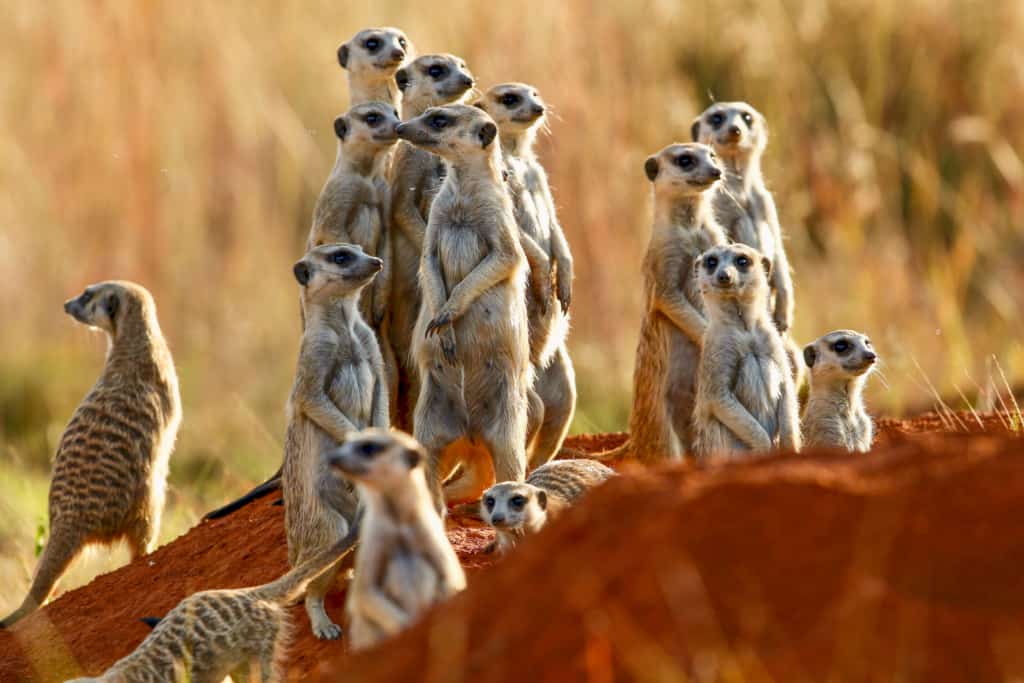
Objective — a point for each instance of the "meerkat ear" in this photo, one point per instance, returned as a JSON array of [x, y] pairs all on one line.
[[486, 134], [810, 355], [402, 79], [412, 458], [651, 168], [341, 127], [695, 130], [343, 56], [111, 304], [542, 500], [767, 264]]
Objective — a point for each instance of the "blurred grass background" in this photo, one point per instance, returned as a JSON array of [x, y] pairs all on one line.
[[182, 145]]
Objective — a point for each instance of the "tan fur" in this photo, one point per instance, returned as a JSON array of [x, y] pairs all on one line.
[[416, 176], [371, 59], [517, 509], [110, 470], [471, 339], [834, 416], [339, 389], [519, 112], [746, 399], [405, 562]]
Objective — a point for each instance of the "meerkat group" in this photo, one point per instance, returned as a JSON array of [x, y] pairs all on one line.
[[435, 291]]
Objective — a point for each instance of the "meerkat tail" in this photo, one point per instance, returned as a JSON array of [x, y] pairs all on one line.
[[61, 548], [292, 585], [267, 487], [622, 452]]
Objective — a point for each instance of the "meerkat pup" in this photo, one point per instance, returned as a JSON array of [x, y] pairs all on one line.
[[371, 59], [517, 509], [213, 634], [416, 176], [339, 389], [405, 562], [110, 471], [471, 340], [834, 416], [746, 397], [520, 112]]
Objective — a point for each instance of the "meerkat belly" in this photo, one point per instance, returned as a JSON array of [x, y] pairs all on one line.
[[765, 240], [410, 581], [352, 391], [365, 228], [759, 388]]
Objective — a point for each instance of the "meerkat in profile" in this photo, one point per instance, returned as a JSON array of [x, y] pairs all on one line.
[[471, 341], [416, 176], [110, 471], [339, 389], [241, 633], [371, 59], [746, 397], [668, 353], [516, 509], [834, 416], [739, 135], [520, 112], [405, 562]]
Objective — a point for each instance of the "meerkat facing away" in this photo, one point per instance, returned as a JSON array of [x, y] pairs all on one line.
[[416, 176], [834, 416], [516, 509], [471, 340], [405, 562], [371, 59], [210, 635], [746, 398], [339, 389], [110, 471], [520, 112]]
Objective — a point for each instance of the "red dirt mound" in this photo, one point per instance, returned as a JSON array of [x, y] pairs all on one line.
[[900, 565]]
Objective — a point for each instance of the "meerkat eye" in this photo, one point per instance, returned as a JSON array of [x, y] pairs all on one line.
[[373, 119], [438, 122], [510, 99], [716, 119], [341, 257], [748, 118], [841, 346], [685, 161], [86, 297], [489, 502], [517, 502], [711, 262], [437, 71], [402, 42], [368, 449], [743, 262], [372, 44]]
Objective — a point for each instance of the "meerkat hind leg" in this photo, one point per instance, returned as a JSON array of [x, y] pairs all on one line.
[[556, 387], [323, 627], [437, 427]]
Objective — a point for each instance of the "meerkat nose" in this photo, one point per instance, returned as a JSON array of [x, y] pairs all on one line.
[[870, 357], [398, 55], [377, 263], [467, 81], [716, 173], [734, 131], [497, 519], [538, 109], [724, 278]]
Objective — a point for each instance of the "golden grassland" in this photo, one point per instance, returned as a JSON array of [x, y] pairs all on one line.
[[182, 145]]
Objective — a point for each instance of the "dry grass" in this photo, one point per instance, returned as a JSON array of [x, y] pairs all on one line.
[[182, 145]]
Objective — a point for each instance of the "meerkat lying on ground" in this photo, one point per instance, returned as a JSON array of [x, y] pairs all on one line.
[[416, 176], [405, 562], [516, 509], [519, 112], [371, 59], [746, 398], [471, 340], [834, 416], [110, 471]]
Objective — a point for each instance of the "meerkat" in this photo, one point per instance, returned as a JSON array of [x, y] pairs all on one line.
[[416, 176], [110, 471], [405, 562], [519, 111], [471, 340], [739, 135], [746, 397], [834, 416], [517, 509], [371, 59]]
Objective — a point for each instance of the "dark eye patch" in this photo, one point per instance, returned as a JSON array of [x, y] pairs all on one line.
[[517, 502], [372, 44], [743, 262], [341, 257], [437, 71], [685, 161], [489, 502], [86, 296], [717, 119], [510, 99], [748, 117], [842, 347], [368, 449], [711, 262], [372, 119], [439, 121]]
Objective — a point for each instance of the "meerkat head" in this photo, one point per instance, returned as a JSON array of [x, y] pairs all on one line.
[[375, 54], [371, 127], [379, 459], [683, 169], [512, 506], [732, 128], [456, 132], [733, 272], [516, 107], [107, 305], [333, 270], [840, 355], [433, 80]]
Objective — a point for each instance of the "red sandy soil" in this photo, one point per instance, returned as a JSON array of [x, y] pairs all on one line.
[[904, 564]]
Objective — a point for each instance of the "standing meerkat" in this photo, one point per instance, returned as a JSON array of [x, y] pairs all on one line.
[[473, 396], [339, 389], [416, 176], [110, 471], [519, 112], [371, 59], [746, 397], [517, 509], [739, 135], [241, 633], [405, 562], [672, 332], [834, 416]]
